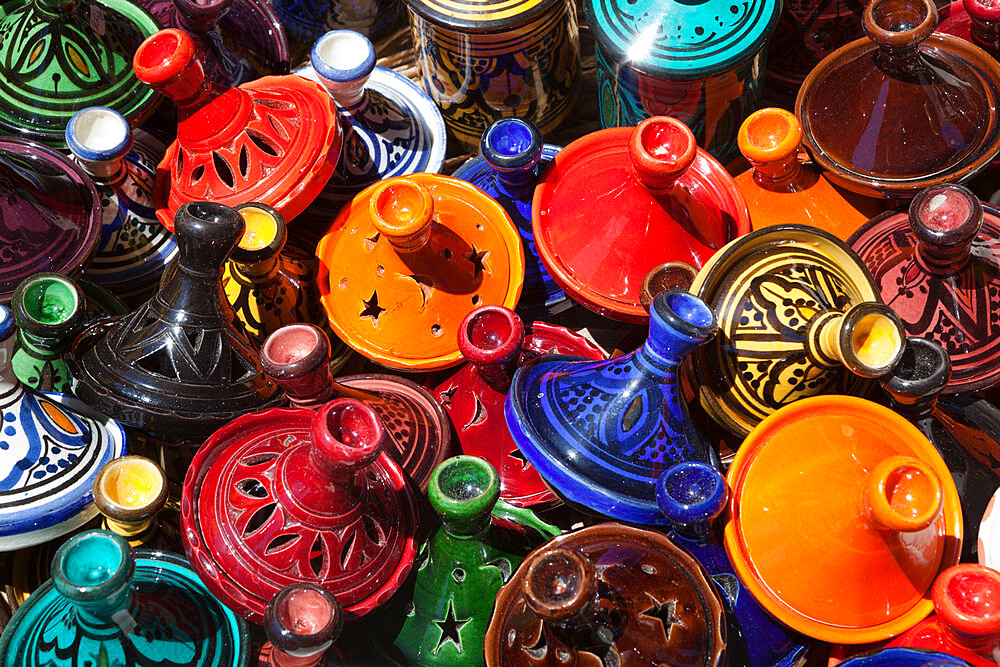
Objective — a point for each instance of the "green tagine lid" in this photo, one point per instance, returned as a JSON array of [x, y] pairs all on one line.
[[59, 56]]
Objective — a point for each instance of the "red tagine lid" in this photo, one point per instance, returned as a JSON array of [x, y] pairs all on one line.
[[275, 140], [291, 495], [616, 203]]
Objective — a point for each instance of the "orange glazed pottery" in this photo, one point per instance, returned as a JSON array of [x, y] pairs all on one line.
[[407, 259], [842, 515], [781, 189]]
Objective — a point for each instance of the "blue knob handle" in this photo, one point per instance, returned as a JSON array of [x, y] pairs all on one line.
[[691, 493]]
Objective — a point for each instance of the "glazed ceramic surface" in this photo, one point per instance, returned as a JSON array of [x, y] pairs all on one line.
[[407, 259], [297, 357], [513, 156], [483, 60], [868, 514], [698, 62], [134, 246], [496, 343], [50, 214], [275, 140], [284, 496], [105, 605], [904, 657], [692, 495], [781, 189], [307, 20], [989, 534], [301, 622], [977, 21], [601, 432], [48, 310], [59, 57], [176, 368], [920, 107], [798, 316], [605, 594], [657, 197], [937, 266], [50, 449]]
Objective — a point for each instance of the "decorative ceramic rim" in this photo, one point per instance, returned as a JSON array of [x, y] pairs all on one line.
[[449, 14]]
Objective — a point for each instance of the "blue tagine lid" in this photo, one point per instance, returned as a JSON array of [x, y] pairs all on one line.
[[106, 606], [51, 447], [513, 158], [681, 39]]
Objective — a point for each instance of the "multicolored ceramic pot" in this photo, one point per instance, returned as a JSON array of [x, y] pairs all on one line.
[[700, 62], [307, 20], [480, 61], [49, 310]]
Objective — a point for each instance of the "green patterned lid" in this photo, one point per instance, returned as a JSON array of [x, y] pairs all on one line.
[[57, 57], [681, 39]]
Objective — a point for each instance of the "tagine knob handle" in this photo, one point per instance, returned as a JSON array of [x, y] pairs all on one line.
[[560, 585], [661, 150], [899, 25]]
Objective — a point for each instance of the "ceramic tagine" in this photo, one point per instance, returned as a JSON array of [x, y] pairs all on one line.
[[106, 605], [914, 385], [418, 435], [237, 40], [602, 432], [307, 20], [391, 127], [465, 565], [903, 108], [50, 214], [175, 368], [904, 657], [967, 620], [496, 343], [867, 512], [659, 198], [798, 315], [977, 21], [50, 448], [781, 189], [59, 57], [699, 62], [301, 622], [513, 156], [407, 259], [134, 246], [692, 495], [267, 288], [291, 495], [936, 265], [48, 310], [275, 140], [607, 594]]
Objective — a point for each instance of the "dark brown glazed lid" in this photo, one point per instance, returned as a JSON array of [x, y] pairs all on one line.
[[902, 108], [607, 595]]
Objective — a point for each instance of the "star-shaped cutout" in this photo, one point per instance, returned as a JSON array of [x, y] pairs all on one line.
[[450, 629], [664, 612], [477, 257], [444, 398], [372, 309], [516, 454]]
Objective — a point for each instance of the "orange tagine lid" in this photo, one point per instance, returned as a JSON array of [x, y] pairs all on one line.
[[407, 259], [841, 517]]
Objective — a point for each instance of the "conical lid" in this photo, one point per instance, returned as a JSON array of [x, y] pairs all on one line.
[[903, 108], [58, 57], [290, 495], [867, 512]]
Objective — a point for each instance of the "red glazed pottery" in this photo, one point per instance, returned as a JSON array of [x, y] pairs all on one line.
[[938, 266], [275, 140], [967, 622], [903, 108], [842, 515], [608, 594], [407, 259], [493, 339], [618, 202], [977, 21], [297, 358], [302, 621], [291, 495], [781, 189]]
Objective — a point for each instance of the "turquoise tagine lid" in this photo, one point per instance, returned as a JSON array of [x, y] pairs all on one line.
[[681, 39]]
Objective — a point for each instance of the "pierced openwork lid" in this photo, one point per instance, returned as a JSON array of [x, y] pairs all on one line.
[[50, 214], [275, 140], [291, 495], [679, 40], [605, 595], [661, 198], [407, 259], [58, 57]]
